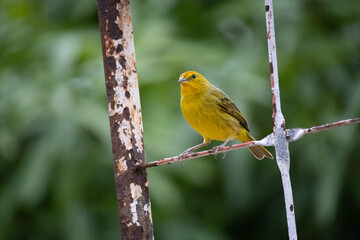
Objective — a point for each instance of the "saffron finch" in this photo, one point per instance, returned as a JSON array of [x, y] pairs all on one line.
[[213, 115]]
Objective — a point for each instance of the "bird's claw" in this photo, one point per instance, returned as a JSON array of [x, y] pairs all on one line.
[[216, 150], [183, 156]]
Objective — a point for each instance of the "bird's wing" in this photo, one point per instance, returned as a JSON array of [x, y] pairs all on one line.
[[229, 107]]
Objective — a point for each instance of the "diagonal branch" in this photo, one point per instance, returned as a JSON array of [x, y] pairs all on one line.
[[292, 135], [267, 141], [295, 134]]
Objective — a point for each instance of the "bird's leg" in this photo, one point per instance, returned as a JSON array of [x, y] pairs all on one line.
[[190, 150], [216, 148]]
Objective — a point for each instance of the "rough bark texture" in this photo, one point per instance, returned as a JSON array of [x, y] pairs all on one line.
[[125, 119]]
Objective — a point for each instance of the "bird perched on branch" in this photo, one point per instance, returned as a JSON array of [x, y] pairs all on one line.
[[213, 115]]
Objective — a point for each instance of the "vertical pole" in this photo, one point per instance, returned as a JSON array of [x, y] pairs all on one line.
[[126, 128], [281, 143]]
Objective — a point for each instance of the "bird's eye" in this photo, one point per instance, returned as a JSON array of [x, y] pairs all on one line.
[[193, 76]]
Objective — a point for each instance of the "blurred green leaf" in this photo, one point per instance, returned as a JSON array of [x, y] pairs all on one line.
[[56, 176]]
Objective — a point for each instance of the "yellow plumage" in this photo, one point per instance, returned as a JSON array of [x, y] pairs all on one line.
[[212, 114]]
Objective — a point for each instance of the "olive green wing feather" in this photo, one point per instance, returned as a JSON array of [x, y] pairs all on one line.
[[229, 107]]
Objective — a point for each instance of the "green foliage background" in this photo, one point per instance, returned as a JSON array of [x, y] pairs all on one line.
[[56, 176]]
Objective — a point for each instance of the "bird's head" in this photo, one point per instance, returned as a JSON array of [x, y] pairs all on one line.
[[193, 80]]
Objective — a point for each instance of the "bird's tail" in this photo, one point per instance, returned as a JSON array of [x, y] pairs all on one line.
[[258, 151]]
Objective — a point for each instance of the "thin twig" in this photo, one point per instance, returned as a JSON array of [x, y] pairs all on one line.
[[267, 141], [292, 135], [295, 134]]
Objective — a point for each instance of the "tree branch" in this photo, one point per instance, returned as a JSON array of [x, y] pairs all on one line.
[[124, 108], [281, 143], [292, 135], [267, 141], [295, 134]]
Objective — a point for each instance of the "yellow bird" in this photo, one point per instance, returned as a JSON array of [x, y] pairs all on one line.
[[213, 115]]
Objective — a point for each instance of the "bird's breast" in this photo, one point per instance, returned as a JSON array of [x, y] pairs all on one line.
[[207, 120]]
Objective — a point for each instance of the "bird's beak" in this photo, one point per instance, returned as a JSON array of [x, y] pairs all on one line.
[[183, 79]]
